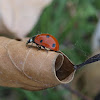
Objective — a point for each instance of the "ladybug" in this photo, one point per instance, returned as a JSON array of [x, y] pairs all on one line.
[[45, 41]]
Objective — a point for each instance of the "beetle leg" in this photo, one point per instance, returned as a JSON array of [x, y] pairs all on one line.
[[39, 47], [28, 45], [32, 43], [45, 48]]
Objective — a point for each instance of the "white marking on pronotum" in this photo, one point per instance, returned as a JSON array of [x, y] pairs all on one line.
[[30, 40]]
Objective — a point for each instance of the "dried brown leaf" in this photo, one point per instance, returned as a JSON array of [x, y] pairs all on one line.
[[30, 68]]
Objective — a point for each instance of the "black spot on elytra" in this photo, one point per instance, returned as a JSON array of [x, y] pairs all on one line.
[[47, 36], [53, 45], [41, 41]]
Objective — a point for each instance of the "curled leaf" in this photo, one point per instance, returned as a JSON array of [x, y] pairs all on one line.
[[30, 68]]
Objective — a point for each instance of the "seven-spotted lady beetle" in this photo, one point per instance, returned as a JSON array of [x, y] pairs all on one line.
[[45, 41]]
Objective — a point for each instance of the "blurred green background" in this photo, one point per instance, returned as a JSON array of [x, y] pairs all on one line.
[[72, 22]]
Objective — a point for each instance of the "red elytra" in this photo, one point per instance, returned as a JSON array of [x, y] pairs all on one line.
[[47, 41]]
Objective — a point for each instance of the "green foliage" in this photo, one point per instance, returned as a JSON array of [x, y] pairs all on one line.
[[97, 4], [73, 33]]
